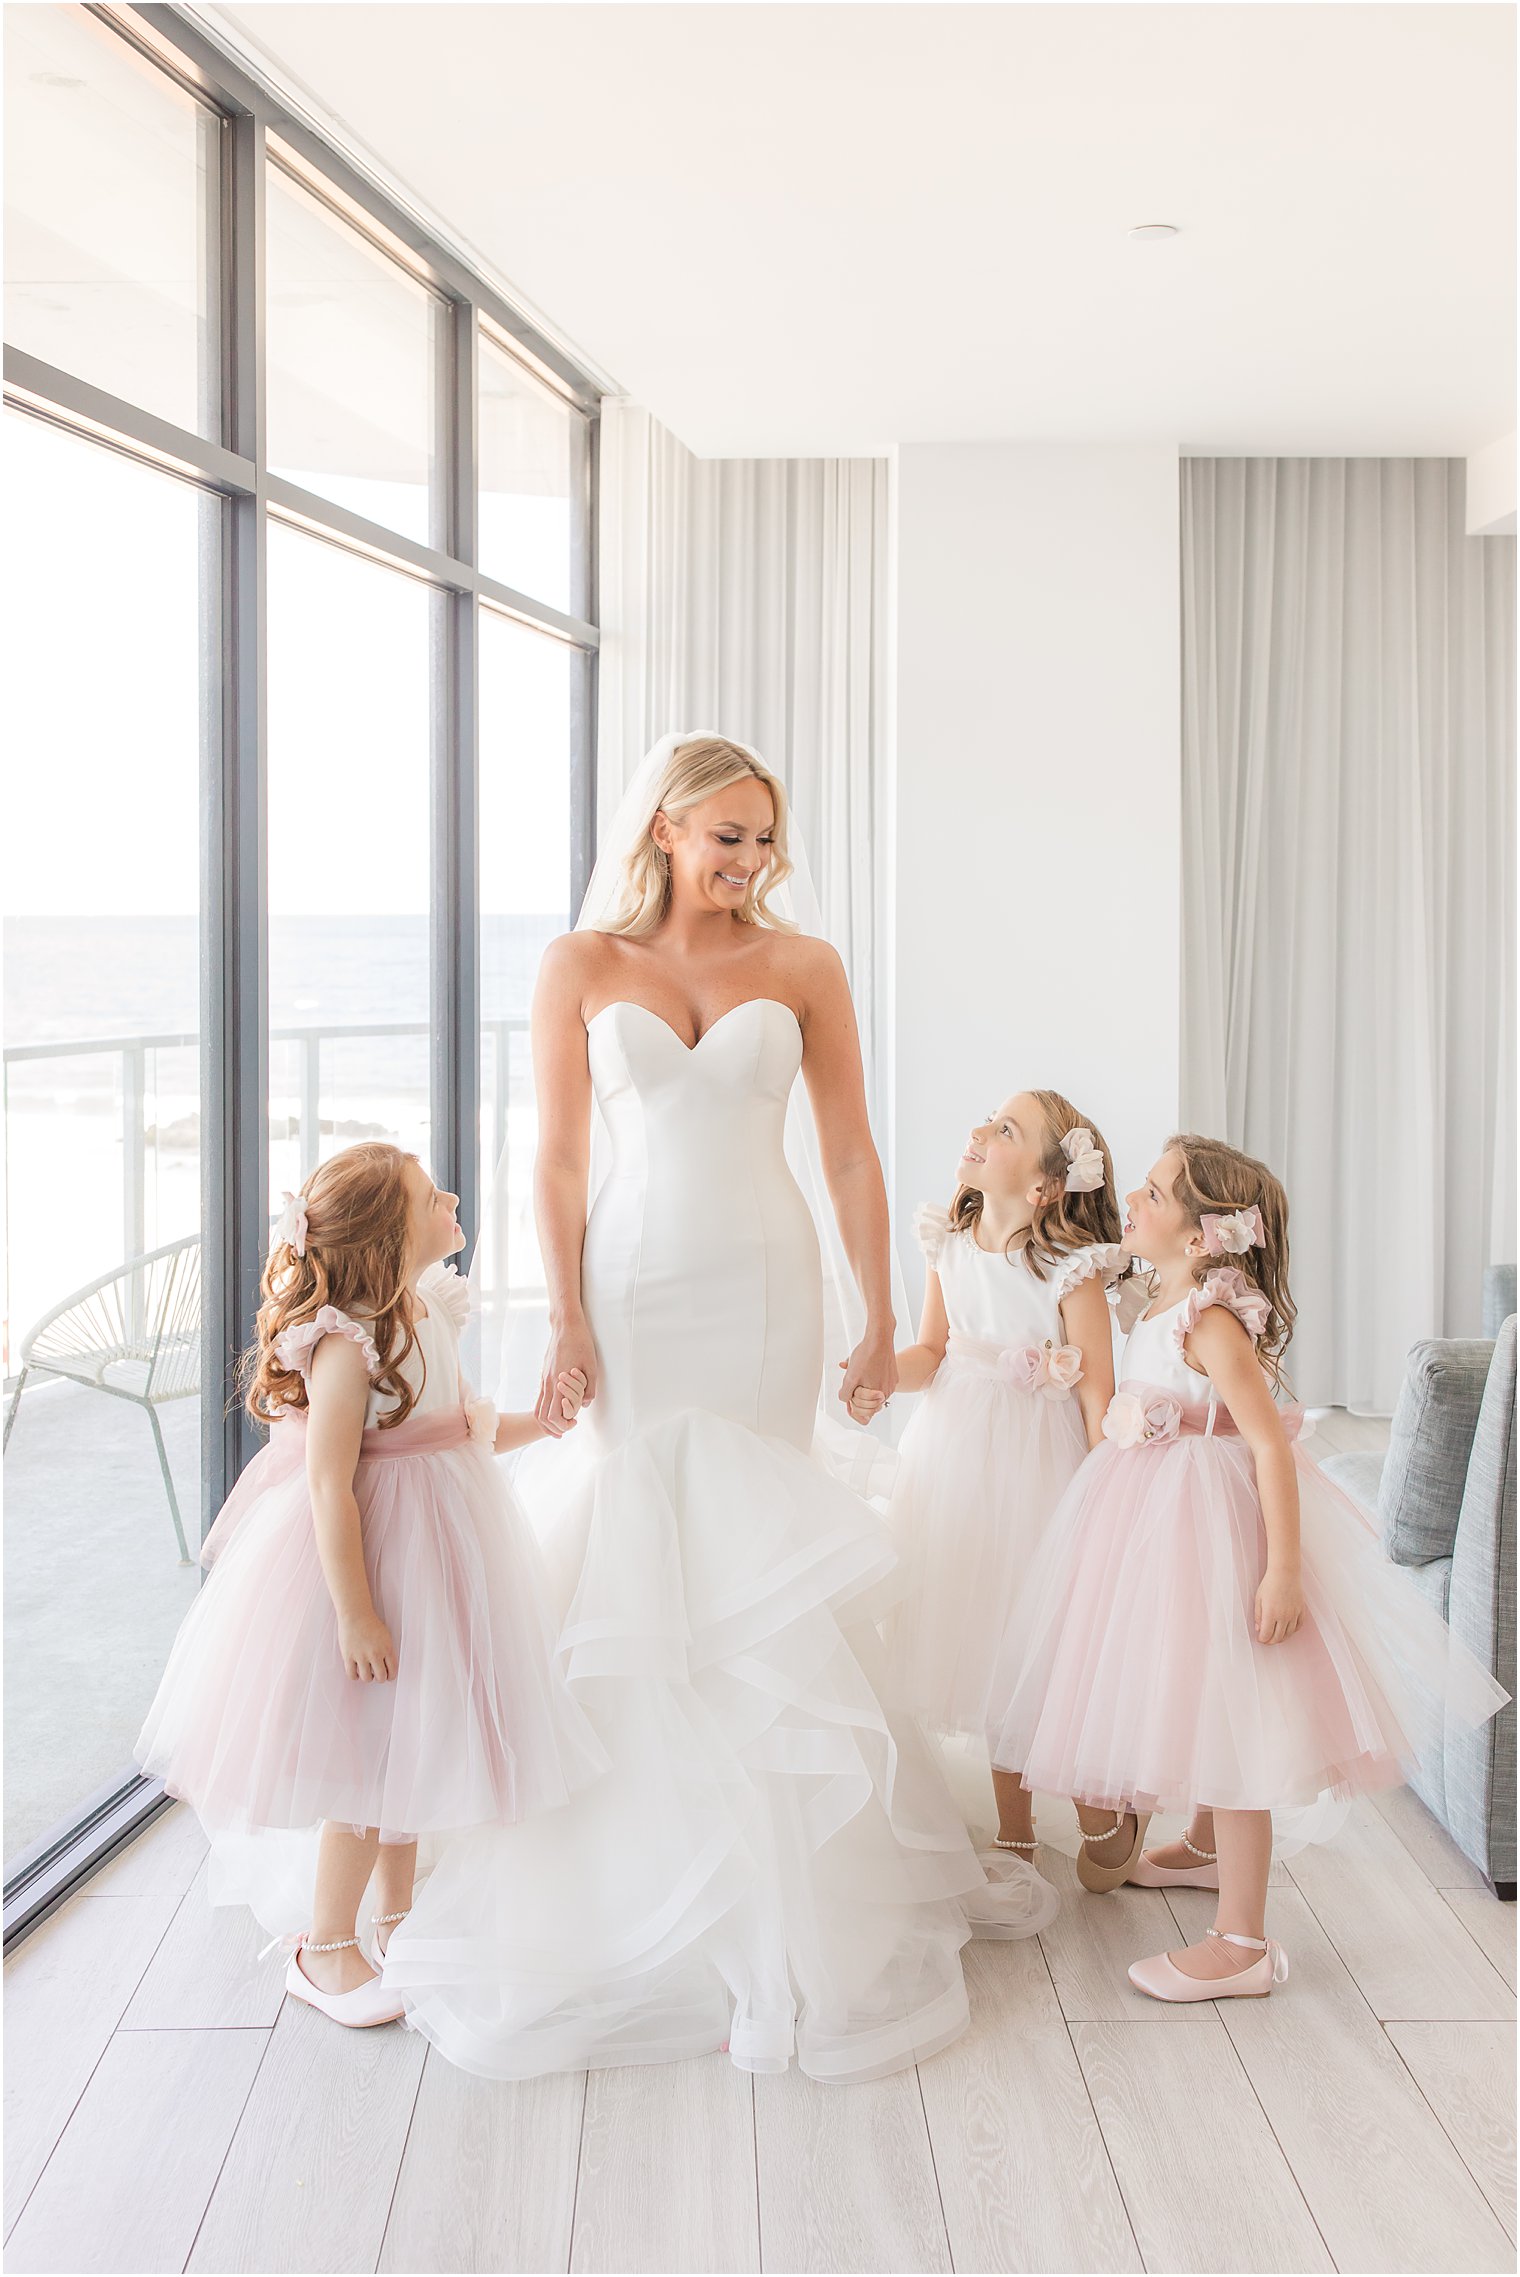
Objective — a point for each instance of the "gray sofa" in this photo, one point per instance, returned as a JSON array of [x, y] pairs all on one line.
[[1444, 1501]]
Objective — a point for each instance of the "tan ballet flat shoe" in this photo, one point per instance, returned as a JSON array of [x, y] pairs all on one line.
[[1100, 1878]]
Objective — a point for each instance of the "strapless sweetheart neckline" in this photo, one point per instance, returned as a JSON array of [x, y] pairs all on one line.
[[628, 1004]]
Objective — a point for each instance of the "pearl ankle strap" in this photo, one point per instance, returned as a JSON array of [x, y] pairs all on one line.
[[301, 1943], [1205, 1857], [384, 1920], [999, 1842], [1109, 1833]]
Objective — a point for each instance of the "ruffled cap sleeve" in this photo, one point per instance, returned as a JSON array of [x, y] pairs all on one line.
[[293, 1347], [932, 1225], [1226, 1286], [444, 1291], [1104, 1258]]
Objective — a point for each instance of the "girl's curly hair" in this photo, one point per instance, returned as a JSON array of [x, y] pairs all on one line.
[[1065, 1221], [1217, 1180], [358, 1218]]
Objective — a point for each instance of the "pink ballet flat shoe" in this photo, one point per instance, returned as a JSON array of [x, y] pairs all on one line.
[[367, 2004], [1202, 1876], [1098, 1878], [1163, 1980]]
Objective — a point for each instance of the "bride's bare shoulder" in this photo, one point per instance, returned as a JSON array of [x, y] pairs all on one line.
[[810, 963], [574, 957]]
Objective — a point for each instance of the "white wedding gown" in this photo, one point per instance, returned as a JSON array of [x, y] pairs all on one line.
[[774, 1862]]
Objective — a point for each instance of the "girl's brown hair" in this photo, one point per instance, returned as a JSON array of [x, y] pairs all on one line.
[[358, 1218], [1216, 1179], [1067, 1221]]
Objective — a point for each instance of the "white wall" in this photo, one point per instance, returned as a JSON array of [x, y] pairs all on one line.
[[1037, 812]]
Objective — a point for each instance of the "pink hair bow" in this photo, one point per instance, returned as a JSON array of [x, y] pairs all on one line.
[[1232, 1233], [290, 1226], [1084, 1157]]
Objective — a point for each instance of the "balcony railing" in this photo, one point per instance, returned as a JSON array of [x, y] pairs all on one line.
[[132, 1055]]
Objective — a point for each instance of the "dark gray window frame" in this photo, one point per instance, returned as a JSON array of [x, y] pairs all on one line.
[[259, 131]]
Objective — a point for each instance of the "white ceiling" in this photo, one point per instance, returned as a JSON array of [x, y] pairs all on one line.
[[794, 228]]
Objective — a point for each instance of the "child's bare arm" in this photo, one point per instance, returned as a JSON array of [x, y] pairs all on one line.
[[1222, 1346], [1086, 1322], [917, 1363], [514, 1431], [337, 1389]]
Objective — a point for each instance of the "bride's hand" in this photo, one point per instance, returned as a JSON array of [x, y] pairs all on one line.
[[871, 1367], [866, 1405], [572, 1351]]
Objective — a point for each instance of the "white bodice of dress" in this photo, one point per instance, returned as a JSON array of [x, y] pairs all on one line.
[[431, 1368], [1153, 1351], [996, 1299], [700, 1271], [1152, 1355], [991, 1298]]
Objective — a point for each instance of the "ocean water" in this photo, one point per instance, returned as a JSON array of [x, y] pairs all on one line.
[[70, 980]]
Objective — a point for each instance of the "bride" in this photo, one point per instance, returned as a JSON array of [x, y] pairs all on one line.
[[774, 1864]]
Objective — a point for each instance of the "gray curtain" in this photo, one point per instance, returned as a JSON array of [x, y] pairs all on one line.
[[1348, 886]]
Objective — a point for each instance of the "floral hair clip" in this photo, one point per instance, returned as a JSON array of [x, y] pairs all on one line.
[[1232, 1234], [1086, 1171], [290, 1226]]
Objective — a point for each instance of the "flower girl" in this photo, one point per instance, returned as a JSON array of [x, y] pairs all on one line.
[[369, 1659], [1016, 1349], [1210, 1624]]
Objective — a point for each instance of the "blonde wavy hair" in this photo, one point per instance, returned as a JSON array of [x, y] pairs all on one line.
[[696, 771], [358, 1221], [1217, 1180], [1068, 1221]]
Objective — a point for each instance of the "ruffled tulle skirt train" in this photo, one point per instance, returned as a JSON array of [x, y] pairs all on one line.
[[1137, 1681], [775, 1864]]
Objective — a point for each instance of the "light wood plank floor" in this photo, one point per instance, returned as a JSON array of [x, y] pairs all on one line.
[[166, 2109]]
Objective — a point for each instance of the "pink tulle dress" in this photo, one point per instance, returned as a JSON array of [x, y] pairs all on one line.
[[1140, 1683], [989, 1453], [256, 1724]]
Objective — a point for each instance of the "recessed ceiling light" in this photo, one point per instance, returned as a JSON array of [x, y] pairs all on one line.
[[1152, 231]]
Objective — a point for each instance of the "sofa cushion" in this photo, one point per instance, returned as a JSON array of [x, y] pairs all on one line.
[[1357, 1475], [1420, 1493]]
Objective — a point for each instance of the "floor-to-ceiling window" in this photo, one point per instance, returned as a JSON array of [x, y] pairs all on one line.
[[299, 677]]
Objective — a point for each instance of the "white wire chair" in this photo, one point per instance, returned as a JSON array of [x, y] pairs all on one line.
[[135, 1333]]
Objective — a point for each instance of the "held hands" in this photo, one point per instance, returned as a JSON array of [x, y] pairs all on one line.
[[870, 1375], [1279, 1606], [866, 1405], [569, 1379], [369, 1654], [570, 1389]]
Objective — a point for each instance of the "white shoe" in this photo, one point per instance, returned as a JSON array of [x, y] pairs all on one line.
[[366, 2004]]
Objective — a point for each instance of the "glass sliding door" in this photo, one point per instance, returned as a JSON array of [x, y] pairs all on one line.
[[298, 681], [529, 686], [110, 589], [349, 856]]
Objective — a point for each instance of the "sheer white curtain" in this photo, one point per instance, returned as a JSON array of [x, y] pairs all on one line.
[[750, 595], [1348, 886]]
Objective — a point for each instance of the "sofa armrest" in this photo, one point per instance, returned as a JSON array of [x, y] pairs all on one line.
[[1429, 1444], [1498, 1297], [1482, 1605]]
